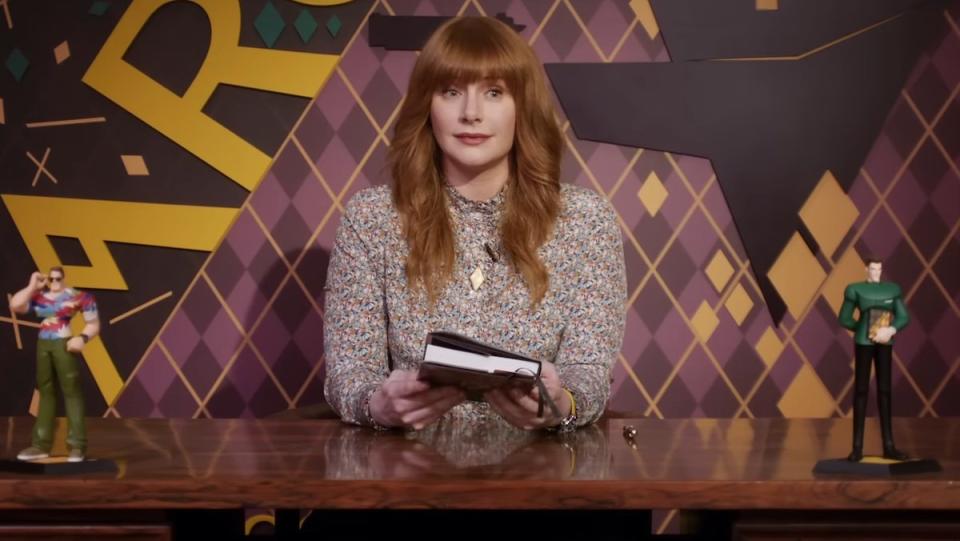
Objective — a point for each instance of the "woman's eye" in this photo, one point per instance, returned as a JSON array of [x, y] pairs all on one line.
[[494, 92], [450, 92]]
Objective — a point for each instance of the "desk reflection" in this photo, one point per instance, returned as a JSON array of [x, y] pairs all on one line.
[[483, 450]]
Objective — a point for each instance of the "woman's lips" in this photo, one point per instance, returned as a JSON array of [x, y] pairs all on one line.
[[471, 138]]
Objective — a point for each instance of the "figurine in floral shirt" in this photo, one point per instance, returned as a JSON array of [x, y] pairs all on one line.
[[57, 347]]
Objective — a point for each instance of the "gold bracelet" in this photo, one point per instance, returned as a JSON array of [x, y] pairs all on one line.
[[573, 402]]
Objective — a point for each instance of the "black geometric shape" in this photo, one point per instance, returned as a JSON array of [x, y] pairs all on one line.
[[261, 117], [770, 128], [698, 30], [180, 30], [69, 251], [410, 32]]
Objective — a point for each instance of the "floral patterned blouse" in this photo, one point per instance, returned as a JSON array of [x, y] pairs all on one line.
[[374, 323]]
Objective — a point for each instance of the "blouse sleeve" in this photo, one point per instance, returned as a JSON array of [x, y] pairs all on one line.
[[355, 343], [592, 339]]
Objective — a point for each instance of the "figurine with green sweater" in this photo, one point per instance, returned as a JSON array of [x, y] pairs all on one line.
[[881, 314]]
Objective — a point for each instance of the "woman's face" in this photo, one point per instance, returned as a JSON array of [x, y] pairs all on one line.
[[474, 125]]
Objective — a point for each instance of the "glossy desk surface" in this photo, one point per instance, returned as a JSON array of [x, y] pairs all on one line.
[[685, 464]]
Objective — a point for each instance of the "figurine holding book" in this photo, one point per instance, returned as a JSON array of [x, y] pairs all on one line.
[[882, 314]]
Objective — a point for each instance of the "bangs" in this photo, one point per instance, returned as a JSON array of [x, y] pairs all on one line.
[[469, 55]]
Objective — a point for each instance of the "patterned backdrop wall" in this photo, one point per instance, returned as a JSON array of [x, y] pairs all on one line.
[[224, 318]]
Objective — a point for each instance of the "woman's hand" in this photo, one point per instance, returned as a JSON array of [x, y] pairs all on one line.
[[405, 401], [519, 407]]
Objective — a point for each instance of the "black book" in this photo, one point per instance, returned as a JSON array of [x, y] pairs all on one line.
[[453, 359]]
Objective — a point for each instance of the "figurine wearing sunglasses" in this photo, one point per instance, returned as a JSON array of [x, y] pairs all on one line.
[[50, 299]]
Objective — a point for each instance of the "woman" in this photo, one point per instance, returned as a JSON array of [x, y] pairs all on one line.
[[476, 236]]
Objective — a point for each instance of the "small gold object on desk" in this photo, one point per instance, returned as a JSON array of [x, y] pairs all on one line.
[[629, 432]]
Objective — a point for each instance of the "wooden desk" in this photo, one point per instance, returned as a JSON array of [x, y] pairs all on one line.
[[678, 464]]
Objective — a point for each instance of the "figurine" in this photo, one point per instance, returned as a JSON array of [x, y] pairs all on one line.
[[51, 299], [882, 314]]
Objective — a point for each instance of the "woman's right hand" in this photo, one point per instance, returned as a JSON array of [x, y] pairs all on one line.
[[404, 401]]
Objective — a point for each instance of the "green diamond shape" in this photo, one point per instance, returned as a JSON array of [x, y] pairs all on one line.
[[269, 24], [17, 64], [334, 25], [99, 8], [306, 25]]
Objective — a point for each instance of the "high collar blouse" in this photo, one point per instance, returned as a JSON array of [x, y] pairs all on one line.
[[375, 324]]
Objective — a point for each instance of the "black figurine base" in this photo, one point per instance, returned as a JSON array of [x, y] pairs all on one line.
[[877, 466], [58, 466]]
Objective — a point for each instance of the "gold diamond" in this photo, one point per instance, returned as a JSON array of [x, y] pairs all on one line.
[[644, 13], [769, 347], [739, 304], [848, 269], [704, 321], [476, 279], [652, 194], [829, 213], [796, 275], [719, 270], [806, 396]]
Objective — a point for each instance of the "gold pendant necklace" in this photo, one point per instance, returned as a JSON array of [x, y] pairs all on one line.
[[477, 278]]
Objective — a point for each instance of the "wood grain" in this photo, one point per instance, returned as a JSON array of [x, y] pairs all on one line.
[[683, 464]]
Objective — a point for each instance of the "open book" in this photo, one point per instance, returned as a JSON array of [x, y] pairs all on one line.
[[453, 359]]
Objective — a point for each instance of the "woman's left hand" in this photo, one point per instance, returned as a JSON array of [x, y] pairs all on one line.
[[519, 407]]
